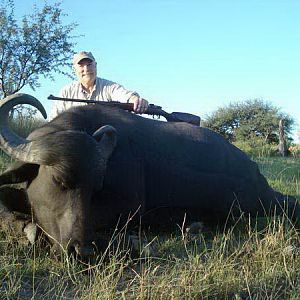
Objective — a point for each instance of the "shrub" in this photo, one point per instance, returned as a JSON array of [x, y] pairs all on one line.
[[257, 147], [295, 151], [243, 120], [23, 120]]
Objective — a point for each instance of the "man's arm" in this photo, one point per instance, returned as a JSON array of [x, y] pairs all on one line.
[[119, 93], [140, 105]]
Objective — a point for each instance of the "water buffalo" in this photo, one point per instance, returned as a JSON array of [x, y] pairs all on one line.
[[92, 164]]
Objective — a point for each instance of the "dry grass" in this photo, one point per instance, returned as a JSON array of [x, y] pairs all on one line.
[[248, 263]]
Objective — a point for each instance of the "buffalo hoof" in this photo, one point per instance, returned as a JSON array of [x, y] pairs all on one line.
[[193, 232], [195, 228], [30, 231], [140, 246], [82, 253], [85, 252]]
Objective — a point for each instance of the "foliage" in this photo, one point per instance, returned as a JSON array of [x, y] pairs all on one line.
[[294, 150], [245, 120], [39, 45], [23, 120], [257, 147]]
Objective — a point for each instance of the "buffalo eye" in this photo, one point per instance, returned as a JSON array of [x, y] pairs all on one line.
[[60, 183]]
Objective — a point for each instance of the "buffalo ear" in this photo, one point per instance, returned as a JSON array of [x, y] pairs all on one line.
[[19, 172], [107, 140]]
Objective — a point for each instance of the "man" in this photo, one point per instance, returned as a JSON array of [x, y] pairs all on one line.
[[90, 87]]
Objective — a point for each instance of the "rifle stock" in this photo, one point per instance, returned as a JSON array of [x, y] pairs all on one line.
[[152, 109]]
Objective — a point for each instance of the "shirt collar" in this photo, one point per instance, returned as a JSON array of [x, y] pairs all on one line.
[[84, 91]]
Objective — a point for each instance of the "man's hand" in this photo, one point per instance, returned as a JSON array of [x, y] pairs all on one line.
[[140, 105]]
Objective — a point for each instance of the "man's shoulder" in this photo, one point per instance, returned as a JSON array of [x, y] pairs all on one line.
[[70, 90], [104, 82], [71, 85]]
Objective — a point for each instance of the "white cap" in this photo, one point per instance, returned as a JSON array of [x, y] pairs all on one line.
[[82, 55]]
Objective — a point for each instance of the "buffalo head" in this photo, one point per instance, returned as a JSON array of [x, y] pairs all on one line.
[[61, 169]]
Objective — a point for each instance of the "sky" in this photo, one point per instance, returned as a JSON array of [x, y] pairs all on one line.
[[190, 56]]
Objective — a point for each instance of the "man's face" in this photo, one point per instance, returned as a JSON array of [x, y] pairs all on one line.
[[86, 71]]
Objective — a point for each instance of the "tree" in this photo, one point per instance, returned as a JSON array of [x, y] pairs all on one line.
[[252, 118], [39, 45]]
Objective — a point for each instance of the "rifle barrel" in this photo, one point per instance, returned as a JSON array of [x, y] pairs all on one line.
[[125, 106], [151, 110]]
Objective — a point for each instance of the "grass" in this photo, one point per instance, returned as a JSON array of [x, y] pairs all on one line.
[[4, 161], [283, 174], [242, 262]]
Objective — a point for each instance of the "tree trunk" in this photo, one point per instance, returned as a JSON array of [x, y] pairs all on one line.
[[282, 148]]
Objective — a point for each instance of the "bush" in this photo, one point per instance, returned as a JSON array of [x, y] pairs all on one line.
[[23, 120], [257, 147], [243, 120], [295, 151]]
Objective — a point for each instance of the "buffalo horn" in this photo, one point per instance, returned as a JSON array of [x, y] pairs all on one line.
[[11, 143]]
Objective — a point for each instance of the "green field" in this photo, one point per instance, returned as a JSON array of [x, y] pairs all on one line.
[[252, 260]]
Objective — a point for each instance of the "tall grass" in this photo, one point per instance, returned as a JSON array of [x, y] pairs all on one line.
[[257, 147], [255, 259], [24, 120], [247, 264], [4, 161], [283, 173]]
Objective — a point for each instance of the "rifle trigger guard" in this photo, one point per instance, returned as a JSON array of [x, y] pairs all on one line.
[[156, 117]]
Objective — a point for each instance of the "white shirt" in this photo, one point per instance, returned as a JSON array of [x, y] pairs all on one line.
[[104, 90]]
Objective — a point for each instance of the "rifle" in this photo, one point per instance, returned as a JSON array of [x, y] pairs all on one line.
[[153, 110]]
